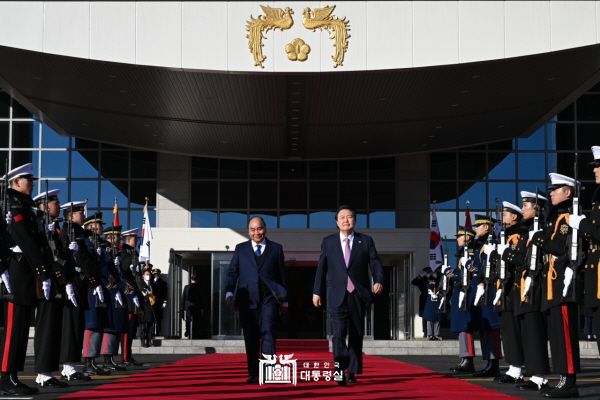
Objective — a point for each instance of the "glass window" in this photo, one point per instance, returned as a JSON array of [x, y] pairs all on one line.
[[361, 221], [382, 195], [355, 194], [270, 218], [322, 219], [85, 144], [233, 220], [443, 165], [536, 141], [3, 164], [111, 190], [505, 169], [293, 220], [263, 169], [115, 164], [204, 219], [22, 134], [353, 169], [292, 169], [532, 165], [447, 223], [323, 169], [588, 107], [382, 219], [136, 218], [443, 194], [234, 195], [4, 105], [143, 164], [234, 169], [292, 195], [24, 157], [323, 195], [19, 111], [51, 139], [502, 191], [84, 164], [474, 193], [506, 145], [81, 190], [140, 190], [4, 128], [588, 135], [204, 194], [382, 168], [263, 195], [565, 137], [471, 165], [204, 168], [568, 114], [55, 164]]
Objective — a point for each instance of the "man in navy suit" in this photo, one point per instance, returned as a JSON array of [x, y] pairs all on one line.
[[258, 271], [344, 267]]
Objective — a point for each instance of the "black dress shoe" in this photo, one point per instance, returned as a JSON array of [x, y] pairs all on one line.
[[53, 382], [352, 378], [14, 387], [491, 370], [133, 362], [77, 376], [562, 393], [528, 385], [252, 379], [465, 366], [508, 379]]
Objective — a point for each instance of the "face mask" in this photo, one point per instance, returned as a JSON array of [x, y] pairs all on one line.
[[146, 278]]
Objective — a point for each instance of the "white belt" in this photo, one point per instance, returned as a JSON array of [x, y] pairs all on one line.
[[16, 249]]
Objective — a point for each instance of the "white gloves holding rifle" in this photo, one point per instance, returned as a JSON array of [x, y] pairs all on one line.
[[479, 293], [98, 291], [71, 294], [527, 286], [119, 299], [6, 281], [46, 287], [575, 220], [497, 298], [567, 280]]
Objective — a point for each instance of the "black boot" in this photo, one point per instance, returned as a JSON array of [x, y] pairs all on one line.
[[11, 385], [566, 388], [133, 361], [110, 364], [92, 369], [491, 370], [464, 366]]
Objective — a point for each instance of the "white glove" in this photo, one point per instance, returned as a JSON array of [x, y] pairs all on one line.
[[99, 251], [488, 248], [527, 286], [117, 261], [46, 286], [136, 301], [567, 280], [8, 218], [531, 233], [479, 294], [164, 304], [497, 298], [433, 296], [444, 268], [119, 299], [71, 294], [98, 291], [73, 246], [6, 281], [132, 268], [462, 261], [461, 298], [442, 303], [575, 220], [501, 249], [51, 227]]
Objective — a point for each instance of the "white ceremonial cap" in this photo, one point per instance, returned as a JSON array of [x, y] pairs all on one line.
[[49, 193], [558, 180], [506, 206], [20, 171]]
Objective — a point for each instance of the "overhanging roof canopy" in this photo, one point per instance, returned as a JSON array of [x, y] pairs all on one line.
[[298, 115]]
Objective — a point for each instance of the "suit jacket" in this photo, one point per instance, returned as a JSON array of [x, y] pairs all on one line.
[[332, 269], [246, 273]]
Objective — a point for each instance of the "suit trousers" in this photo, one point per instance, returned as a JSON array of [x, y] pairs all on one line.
[[14, 339], [259, 324], [511, 339], [348, 320], [48, 332], [535, 343]]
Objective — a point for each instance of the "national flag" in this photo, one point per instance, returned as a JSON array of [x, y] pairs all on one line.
[[146, 236], [436, 257]]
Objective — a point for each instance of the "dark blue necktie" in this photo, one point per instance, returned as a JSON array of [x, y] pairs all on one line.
[[257, 252]]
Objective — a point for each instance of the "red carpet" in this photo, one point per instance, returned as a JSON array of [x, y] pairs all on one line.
[[222, 376]]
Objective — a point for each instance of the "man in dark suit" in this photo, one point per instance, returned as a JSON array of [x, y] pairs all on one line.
[[257, 269], [344, 266]]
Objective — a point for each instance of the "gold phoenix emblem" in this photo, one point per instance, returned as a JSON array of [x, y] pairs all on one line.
[[322, 18], [275, 18], [297, 50]]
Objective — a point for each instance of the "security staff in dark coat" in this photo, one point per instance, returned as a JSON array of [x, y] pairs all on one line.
[[344, 264], [508, 297], [560, 308], [27, 278], [534, 338], [191, 301], [460, 317], [129, 267], [148, 290], [590, 227], [162, 292], [48, 318]]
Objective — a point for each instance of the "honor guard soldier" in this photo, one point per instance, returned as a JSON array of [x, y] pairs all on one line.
[[513, 255], [27, 278], [87, 257], [459, 314], [480, 300], [534, 337], [129, 267], [557, 276], [590, 228], [48, 318]]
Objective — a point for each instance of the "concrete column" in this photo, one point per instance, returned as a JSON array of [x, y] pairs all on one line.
[[173, 197]]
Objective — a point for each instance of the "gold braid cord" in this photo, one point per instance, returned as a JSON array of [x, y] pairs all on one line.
[[274, 18], [321, 18]]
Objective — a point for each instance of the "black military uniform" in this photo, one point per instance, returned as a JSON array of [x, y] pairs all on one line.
[[560, 311], [129, 267]]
